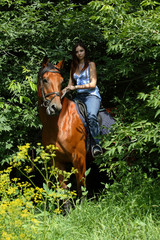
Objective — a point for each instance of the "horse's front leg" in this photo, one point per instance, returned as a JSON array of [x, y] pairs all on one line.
[[63, 184], [79, 163]]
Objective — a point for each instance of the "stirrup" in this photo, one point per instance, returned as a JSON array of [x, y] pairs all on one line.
[[96, 150]]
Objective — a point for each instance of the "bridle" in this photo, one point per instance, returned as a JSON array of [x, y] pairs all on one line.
[[46, 102]]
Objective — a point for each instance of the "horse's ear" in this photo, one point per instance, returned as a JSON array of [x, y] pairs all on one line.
[[60, 65], [45, 62]]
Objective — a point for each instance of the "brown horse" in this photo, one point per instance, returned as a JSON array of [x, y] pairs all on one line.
[[62, 125]]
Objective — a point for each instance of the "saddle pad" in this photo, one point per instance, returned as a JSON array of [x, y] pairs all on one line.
[[104, 118], [105, 122]]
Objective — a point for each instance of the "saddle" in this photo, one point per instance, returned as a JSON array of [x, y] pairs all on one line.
[[105, 120]]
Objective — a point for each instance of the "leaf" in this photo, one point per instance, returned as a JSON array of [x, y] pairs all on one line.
[[27, 100], [157, 113], [113, 149], [87, 172], [69, 185], [21, 99], [119, 148], [45, 187]]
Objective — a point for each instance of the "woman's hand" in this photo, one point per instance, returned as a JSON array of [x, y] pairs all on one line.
[[67, 89], [71, 88]]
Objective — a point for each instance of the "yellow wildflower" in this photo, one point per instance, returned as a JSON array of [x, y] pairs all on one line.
[[22, 236], [73, 193], [24, 213], [28, 169], [7, 236], [11, 190], [35, 221], [18, 222], [29, 205], [57, 211]]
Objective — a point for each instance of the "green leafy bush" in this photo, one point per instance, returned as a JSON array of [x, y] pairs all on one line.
[[134, 148], [19, 115]]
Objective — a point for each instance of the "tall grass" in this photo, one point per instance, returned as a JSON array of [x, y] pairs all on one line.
[[117, 215]]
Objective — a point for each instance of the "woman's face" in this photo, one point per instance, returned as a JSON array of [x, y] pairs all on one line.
[[80, 53]]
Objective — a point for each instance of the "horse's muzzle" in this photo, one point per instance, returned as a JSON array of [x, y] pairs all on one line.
[[53, 109]]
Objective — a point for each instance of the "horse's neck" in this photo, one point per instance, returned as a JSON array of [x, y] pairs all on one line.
[[48, 121], [52, 125]]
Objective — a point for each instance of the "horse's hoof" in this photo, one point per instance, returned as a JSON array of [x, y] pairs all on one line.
[[67, 207]]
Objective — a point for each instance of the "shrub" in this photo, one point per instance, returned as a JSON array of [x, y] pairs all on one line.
[[22, 202], [134, 148]]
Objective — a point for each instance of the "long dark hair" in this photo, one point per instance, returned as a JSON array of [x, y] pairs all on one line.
[[75, 60]]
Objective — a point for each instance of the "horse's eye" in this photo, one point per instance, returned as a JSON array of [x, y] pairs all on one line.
[[44, 80]]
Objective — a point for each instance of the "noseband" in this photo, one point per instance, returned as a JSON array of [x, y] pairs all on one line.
[[47, 102]]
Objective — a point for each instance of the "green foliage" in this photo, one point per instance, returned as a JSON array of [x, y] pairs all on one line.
[[117, 215], [52, 192], [28, 212], [134, 148], [17, 219], [19, 115], [152, 100], [132, 38], [22, 203]]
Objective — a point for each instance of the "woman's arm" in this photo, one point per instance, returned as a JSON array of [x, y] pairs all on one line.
[[70, 85], [93, 75]]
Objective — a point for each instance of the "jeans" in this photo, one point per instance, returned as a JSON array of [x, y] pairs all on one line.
[[92, 103]]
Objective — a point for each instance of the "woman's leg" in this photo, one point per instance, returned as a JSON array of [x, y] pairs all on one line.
[[93, 105]]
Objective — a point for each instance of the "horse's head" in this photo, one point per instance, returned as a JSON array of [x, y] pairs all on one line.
[[49, 86]]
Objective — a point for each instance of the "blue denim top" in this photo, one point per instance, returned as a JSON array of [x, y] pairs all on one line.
[[84, 78]]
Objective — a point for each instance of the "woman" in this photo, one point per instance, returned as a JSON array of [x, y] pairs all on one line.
[[83, 78]]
